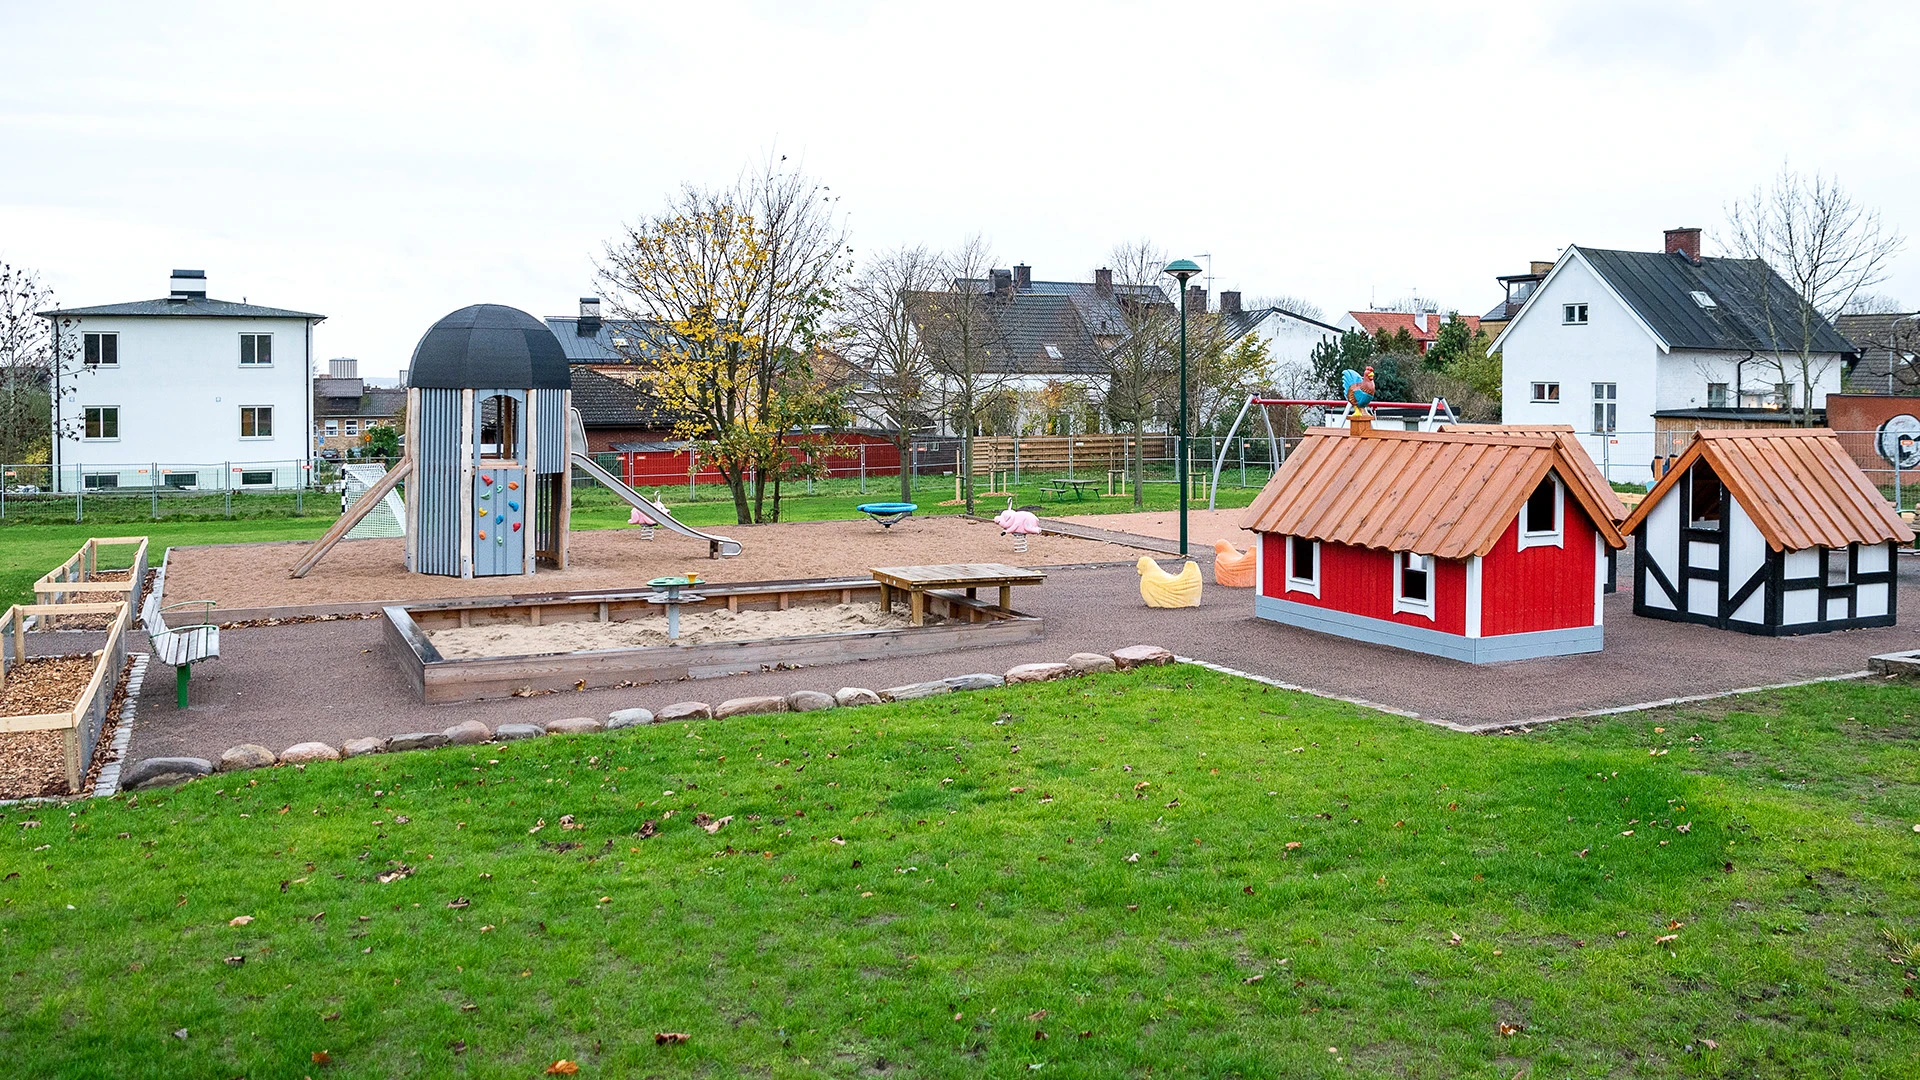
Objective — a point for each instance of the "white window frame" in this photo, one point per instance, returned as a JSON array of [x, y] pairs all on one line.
[[246, 363], [104, 409], [104, 336], [1400, 601], [1573, 314], [1611, 402], [352, 427], [1295, 583], [268, 437], [1726, 395], [1546, 393], [1557, 536], [331, 428]]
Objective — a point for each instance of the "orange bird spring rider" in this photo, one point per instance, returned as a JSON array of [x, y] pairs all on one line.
[[1232, 567]]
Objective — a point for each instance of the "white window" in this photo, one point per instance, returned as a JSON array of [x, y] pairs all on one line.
[[256, 421], [102, 422], [1547, 392], [1783, 395], [1303, 565], [1413, 583], [1605, 408], [101, 350], [353, 427], [1705, 497], [1573, 314], [182, 480], [332, 428], [256, 350], [257, 478], [96, 481], [1543, 516], [1716, 395]]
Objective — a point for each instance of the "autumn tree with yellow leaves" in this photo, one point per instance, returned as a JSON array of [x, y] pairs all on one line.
[[740, 280]]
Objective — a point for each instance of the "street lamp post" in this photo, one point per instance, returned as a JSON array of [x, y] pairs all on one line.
[[1182, 269]]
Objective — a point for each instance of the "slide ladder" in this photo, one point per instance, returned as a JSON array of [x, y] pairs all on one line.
[[717, 546]]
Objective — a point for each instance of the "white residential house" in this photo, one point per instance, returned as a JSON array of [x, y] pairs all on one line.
[[1637, 349], [183, 392], [1291, 338]]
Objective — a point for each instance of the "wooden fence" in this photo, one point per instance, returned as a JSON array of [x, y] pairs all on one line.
[[80, 726], [77, 581], [1093, 454]]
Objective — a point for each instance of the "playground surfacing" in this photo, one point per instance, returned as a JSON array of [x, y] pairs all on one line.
[[367, 573], [333, 680]]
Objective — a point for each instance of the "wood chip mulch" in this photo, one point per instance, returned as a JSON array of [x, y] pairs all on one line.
[[45, 684], [32, 763]]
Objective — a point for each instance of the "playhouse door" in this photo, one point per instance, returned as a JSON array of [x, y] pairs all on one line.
[[499, 521]]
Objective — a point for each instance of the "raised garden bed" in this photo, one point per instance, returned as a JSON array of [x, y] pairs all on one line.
[[44, 698], [80, 580], [438, 679]]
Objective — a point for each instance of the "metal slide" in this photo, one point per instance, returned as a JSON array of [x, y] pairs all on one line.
[[717, 546]]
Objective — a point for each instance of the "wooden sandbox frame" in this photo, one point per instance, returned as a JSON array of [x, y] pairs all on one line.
[[74, 581], [79, 726], [437, 680]]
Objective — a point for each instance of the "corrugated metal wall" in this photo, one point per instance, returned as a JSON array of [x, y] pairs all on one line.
[[551, 431], [437, 483]]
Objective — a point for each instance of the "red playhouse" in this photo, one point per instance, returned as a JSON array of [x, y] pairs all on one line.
[[1481, 544]]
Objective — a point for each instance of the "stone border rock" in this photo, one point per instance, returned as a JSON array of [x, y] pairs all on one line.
[[155, 772]]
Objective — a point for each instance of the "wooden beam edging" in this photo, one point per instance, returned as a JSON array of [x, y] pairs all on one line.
[[360, 509], [79, 726]]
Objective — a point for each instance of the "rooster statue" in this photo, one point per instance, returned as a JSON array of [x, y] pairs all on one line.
[[1358, 388], [1161, 589], [1232, 567]]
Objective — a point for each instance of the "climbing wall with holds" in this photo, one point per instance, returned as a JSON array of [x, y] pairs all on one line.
[[499, 521]]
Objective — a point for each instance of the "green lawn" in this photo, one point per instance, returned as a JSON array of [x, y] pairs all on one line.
[[1086, 879]]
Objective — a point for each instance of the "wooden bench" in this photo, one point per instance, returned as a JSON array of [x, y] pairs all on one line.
[[181, 646]]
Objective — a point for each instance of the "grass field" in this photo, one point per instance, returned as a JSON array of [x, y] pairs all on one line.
[[1166, 872]]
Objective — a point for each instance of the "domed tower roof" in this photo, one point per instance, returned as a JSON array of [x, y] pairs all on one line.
[[489, 347]]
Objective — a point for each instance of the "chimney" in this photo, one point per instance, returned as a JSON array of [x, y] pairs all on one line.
[[1538, 267], [1003, 284], [1360, 423], [589, 323], [342, 367], [1197, 298], [1023, 278], [1684, 242], [1103, 282], [1420, 320], [1229, 302], [188, 285]]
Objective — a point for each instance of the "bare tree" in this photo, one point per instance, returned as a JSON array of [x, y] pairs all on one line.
[[1868, 303], [1826, 248], [1143, 369], [38, 358], [1293, 305], [890, 370], [964, 346]]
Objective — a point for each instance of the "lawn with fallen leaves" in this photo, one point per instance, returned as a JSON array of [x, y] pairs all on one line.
[[1165, 871]]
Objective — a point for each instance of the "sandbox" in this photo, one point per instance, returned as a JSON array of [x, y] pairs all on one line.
[[553, 664]]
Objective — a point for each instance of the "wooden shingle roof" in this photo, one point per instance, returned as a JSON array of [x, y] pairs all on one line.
[[1446, 494], [1799, 485]]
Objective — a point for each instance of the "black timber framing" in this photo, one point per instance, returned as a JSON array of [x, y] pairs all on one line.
[[1771, 577]]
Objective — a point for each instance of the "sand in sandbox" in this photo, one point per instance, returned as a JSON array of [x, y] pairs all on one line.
[[698, 626]]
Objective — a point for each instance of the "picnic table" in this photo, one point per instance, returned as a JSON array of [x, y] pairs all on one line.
[[1060, 485], [916, 580]]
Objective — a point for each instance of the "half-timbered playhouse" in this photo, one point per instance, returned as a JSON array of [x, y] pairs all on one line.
[[487, 427], [1479, 545], [1767, 531]]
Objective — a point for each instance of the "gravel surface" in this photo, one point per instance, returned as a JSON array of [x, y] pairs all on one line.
[[255, 575], [332, 680]]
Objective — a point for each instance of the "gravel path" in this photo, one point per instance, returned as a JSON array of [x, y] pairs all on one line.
[[332, 680]]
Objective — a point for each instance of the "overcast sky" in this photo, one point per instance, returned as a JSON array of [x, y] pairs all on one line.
[[384, 164]]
